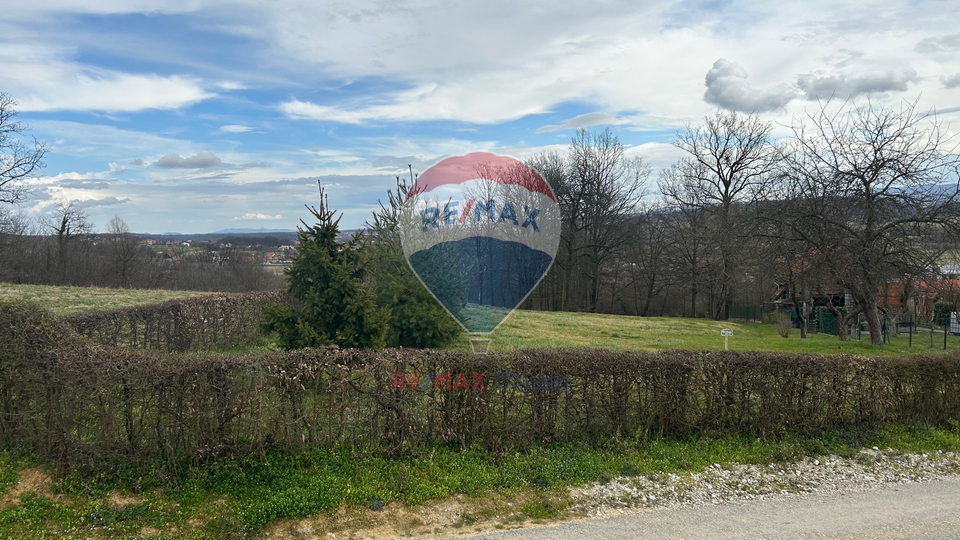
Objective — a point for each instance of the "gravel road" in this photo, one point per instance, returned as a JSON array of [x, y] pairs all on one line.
[[876, 494], [927, 511]]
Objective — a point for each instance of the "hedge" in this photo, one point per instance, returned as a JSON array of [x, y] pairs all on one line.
[[83, 404], [215, 321]]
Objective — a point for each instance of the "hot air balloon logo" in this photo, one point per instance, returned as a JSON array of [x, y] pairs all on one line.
[[480, 231]]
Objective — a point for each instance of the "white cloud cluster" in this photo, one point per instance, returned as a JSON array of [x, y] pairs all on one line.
[[728, 88], [952, 81], [202, 160], [844, 87], [56, 86]]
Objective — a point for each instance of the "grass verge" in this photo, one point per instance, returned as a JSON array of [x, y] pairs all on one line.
[[343, 488]]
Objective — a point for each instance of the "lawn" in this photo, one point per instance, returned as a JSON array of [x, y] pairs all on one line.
[[66, 300], [523, 329], [558, 329]]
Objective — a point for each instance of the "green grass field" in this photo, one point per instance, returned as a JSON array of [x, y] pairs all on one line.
[[558, 329], [523, 329], [66, 300]]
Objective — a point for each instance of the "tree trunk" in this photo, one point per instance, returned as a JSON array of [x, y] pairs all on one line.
[[873, 321], [801, 317]]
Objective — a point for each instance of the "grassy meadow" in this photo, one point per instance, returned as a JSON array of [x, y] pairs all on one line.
[[67, 300], [575, 330], [523, 329]]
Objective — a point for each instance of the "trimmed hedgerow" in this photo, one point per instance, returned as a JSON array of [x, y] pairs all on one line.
[[214, 321], [82, 404]]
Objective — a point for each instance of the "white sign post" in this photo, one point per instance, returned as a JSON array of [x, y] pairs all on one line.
[[726, 333]]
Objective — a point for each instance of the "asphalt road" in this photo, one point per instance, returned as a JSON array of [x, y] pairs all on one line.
[[927, 511]]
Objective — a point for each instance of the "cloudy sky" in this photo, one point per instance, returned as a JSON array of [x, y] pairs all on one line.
[[200, 115]]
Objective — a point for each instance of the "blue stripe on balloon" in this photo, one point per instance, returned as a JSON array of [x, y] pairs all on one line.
[[480, 271]]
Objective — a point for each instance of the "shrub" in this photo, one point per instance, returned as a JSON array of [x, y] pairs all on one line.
[[783, 323]]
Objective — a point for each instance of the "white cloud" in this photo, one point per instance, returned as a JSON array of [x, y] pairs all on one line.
[[939, 44], [848, 86], [727, 87], [61, 86], [585, 120], [202, 160], [258, 217], [335, 156], [93, 203], [953, 81], [111, 143], [234, 128]]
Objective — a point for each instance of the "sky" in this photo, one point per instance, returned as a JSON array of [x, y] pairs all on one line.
[[195, 116]]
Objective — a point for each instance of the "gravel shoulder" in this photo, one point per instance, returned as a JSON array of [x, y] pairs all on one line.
[[717, 484], [875, 494]]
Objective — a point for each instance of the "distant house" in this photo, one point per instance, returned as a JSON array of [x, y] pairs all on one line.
[[899, 300]]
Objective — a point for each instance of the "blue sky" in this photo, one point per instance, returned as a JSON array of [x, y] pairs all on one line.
[[200, 115]]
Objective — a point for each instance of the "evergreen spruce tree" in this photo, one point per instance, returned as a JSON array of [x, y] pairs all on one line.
[[416, 318], [326, 279]]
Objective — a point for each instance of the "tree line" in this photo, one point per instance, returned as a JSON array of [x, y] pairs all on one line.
[[853, 201], [61, 248], [842, 203]]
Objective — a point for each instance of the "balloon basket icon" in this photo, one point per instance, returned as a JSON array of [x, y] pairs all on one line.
[[480, 345]]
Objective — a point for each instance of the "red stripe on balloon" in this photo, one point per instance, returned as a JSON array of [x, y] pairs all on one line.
[[460, 169]]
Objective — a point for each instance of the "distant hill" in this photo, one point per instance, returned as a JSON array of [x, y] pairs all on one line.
[[253, 231], [266, 237]]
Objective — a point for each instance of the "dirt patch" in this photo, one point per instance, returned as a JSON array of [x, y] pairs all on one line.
[[30, 480], [451, 517], [119, 500]]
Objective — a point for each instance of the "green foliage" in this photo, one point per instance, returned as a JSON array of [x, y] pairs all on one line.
[[416, 318], [326, 278]]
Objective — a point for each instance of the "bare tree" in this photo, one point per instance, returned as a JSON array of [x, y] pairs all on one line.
[[603, 187], [124, 251], [649, 251], [19, 160], [729, 167], [553, 169], [692, 255], [872, 186], [66, 256]]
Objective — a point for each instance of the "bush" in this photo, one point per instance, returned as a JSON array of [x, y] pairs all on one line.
[[782, 322]]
